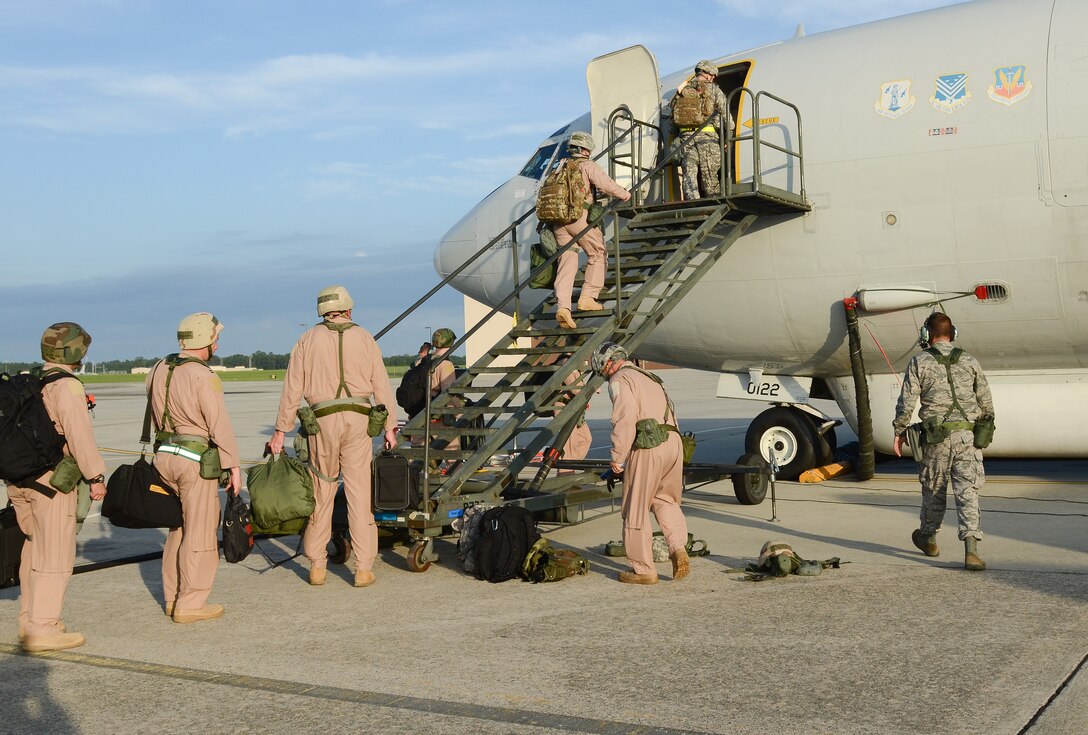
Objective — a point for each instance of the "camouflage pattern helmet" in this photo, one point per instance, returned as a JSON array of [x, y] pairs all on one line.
[[443, 337], [707, 67], [581, 140], [606, 353], [198, 330], [65, 343], [333, 298]]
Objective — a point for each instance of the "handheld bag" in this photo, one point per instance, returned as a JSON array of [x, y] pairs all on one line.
[[280, 490], [237, 529], [11, 547], [393, 483], [544, 278], [137, 497]]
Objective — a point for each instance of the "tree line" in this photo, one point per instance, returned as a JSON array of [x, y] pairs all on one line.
[[258, 360]]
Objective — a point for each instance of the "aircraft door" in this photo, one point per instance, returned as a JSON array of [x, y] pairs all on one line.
[[1067, 105], [626, 77]]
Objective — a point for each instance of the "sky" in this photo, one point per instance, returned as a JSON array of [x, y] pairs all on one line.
[[236, 156]]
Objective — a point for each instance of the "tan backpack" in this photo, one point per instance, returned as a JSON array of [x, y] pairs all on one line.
[[562, 198], [693, 104]]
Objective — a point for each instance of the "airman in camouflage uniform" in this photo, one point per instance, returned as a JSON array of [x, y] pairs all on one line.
[[701, 156], [955, 459]]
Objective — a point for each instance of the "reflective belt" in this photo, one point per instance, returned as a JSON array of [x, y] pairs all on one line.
[[336, 405], [179, 451], [708, 129]]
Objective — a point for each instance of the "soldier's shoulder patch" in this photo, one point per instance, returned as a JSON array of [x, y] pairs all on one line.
[[215, 383], [75, 388]]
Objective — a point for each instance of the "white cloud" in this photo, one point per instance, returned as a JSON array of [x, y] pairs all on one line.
[[829, 13]]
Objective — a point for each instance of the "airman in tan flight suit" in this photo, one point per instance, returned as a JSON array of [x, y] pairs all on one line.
[[652, 477], [190, 418], [596, 180], [49, 520], [340, 390]]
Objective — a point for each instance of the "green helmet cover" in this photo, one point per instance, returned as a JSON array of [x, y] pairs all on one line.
[[65, 343]]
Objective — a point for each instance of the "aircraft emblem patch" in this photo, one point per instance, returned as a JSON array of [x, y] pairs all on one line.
[[1010, 85], [950, 93], [895, 99]]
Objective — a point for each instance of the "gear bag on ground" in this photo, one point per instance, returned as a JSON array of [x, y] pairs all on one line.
[[506, 535]]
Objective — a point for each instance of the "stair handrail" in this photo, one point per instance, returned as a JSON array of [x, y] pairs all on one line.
[[728, 139]]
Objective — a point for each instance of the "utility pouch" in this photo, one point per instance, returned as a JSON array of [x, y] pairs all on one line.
[[984, 431], [210, 469], [66, 475], [308, 420], [914, 439], [595, 214], [163, 437], [650, 433], [375, 425], [934, 430], [688, 440], [302, 448], [548, 244]]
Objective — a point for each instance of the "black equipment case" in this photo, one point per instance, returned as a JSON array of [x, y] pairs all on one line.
[[394, 483]]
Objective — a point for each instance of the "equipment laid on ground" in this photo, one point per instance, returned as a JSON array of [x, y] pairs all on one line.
[[137, 497], [469, 527], [545, 564], [11, 547], [780, 560], [29, 443], [694, 547], [506, 535]]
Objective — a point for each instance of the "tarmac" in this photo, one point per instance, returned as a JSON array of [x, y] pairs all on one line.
[[891, 642]]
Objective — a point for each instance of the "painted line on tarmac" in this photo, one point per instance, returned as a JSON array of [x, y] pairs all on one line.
[[504, 715]]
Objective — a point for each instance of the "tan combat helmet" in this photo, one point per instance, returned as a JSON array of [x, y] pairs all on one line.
[[333, 298], [707, 67], [198, 330], [65, 343], [581, 140], [443, 338]]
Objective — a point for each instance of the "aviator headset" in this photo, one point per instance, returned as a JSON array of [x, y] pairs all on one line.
[[923, 333]]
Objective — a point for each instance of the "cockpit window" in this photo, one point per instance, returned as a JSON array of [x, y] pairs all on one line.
[[536, 166]]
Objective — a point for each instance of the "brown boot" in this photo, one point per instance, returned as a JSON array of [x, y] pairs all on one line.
[[680, 565], [926, 544], [971, 560], [589, 305], [208, 612], [364, 578], [54, 642], [317, 575], [565, 319], [633, 578]]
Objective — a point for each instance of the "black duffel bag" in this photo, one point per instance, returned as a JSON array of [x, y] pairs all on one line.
[[237, 529], [137, 497]]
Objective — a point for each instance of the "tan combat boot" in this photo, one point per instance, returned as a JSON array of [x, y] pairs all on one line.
[[565, 319], [926, 544], [54, 642], [633, 578], [208, 612], [680, 565], [971, 560], [364, 578], [589, 305], [317, 575]]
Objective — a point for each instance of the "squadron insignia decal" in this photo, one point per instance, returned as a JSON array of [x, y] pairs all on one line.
[[1010, 85], [950, 93], [895, 99]]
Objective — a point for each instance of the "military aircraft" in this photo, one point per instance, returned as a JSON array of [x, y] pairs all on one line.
[[945, 156]]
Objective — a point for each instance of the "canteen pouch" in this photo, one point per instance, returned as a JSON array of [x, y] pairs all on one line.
[[66, 475], [650, 433], [934, 430], [595, 215], [210, 469], [308, 420], [548, 244], [375, 425], [301, 447], [914, 439], [688, 440], [984, 431]]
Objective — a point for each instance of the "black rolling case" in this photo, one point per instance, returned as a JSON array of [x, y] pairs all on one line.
[[11, 547], [394, 484]]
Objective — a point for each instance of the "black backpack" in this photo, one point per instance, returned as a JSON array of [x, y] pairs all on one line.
[[506, 535], [413, 391], [29, 443]]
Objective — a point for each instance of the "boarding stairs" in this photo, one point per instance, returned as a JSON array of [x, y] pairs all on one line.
[[658, 251]]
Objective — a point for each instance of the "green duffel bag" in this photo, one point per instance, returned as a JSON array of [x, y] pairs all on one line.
[[292, 527], [545, 277], [545, 564], [280, 490]]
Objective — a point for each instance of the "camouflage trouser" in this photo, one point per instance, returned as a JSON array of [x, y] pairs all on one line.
[[956, 460], [701, 160]]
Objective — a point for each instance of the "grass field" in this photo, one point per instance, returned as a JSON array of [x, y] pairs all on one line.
[[395, 371]]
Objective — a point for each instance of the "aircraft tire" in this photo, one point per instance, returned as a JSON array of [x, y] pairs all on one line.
[[826, 443], [789, 434], [750, 488]]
